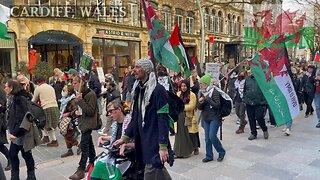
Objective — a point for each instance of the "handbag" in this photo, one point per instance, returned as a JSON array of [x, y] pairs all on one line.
[[188, 120]]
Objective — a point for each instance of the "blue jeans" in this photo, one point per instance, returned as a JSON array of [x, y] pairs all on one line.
[[210, 130], [317, 103]]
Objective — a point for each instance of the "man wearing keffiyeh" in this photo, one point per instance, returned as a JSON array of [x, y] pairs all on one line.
[[150, 124]]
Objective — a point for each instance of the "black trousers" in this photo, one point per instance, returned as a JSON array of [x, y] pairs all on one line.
[[27, 156], [87, 150], [4, 150], [256, 113], [308, 98]]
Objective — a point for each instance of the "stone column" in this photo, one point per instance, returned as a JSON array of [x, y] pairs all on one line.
[[22, 49]]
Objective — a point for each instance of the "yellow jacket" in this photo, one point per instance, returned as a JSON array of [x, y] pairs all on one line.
[[190, 110]]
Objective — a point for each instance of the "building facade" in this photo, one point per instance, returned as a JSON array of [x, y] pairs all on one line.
[[120, 41]]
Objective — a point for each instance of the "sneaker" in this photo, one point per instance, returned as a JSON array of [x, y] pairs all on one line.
[[252, 137], [318, 125], [284, 129], [238, 121], [206, 160], [220, 158], [306, 116], [287, 132], [265, 134]]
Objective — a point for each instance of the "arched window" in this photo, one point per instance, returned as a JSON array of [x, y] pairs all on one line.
[[206, 18], [229, 24], [190, 22], [179, 19], [166, 17], [213, 21], [220, 22], [133, 13], [238, 26]]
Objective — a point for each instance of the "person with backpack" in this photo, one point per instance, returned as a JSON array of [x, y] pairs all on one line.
[[17, 107], [209, 103], [149, 125]]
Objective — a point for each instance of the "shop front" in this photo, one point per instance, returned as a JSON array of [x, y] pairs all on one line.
[[8, 58], [58, 48], [110, 51]]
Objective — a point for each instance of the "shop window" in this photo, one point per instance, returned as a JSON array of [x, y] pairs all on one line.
[[190, 23], [166, 18], [179, 19], [111, 52]]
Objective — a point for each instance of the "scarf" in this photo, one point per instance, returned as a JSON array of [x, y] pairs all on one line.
[[9, 104], [185, 96], [149, 86]]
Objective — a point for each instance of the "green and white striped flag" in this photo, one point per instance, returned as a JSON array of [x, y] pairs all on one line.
[[275, 84], [4, 17]]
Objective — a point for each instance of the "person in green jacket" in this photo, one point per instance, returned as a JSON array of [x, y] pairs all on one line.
[[256, 106]]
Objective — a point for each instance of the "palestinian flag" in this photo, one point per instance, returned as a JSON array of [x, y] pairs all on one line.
[[316, 59], [4, 17], [162, 50], [106, 170], [270, 71], [178, 50]]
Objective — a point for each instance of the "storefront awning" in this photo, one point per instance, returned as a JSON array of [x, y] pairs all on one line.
[[7, 44], [54, 37]]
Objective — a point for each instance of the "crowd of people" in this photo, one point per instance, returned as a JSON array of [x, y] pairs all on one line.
[[136, 115]]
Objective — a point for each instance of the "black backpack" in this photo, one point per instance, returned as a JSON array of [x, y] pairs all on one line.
[[176, 106], [226, 106], [39, 117]]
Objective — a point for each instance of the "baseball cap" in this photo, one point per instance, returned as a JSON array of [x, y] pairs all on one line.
[[72, 71]]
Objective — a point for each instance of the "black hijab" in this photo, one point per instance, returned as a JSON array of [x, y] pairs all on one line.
[[185, 96]]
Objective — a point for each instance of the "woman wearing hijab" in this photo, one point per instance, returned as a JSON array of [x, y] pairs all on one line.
[[187, 137]]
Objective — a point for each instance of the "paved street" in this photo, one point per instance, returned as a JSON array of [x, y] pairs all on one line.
[[279, 157]]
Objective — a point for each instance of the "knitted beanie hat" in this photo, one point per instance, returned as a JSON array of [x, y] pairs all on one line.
[[146, 64], [206, 79]]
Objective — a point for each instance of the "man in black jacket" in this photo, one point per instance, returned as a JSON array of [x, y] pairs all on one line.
[[95, 85]]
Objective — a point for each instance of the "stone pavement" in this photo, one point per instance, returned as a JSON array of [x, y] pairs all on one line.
[[280, 157]]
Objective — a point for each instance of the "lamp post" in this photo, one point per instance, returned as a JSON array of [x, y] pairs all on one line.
[[202, 45]]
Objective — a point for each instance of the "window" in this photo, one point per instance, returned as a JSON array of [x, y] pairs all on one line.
[[234, 25], [179, 19], [166, 19], [133, 13], [190, 23], [229, 22], [212, 21], [206, 18], [220, 22], [238, 26]]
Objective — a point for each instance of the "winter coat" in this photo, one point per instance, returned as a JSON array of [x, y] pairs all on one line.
[[190, 109], [111, 95], [16, 112], [95, 85], [130, 79], [89, 118], [252, 95], [308, 84], [210, 108]]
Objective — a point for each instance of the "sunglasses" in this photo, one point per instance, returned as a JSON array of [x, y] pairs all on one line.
[[111, 110]]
